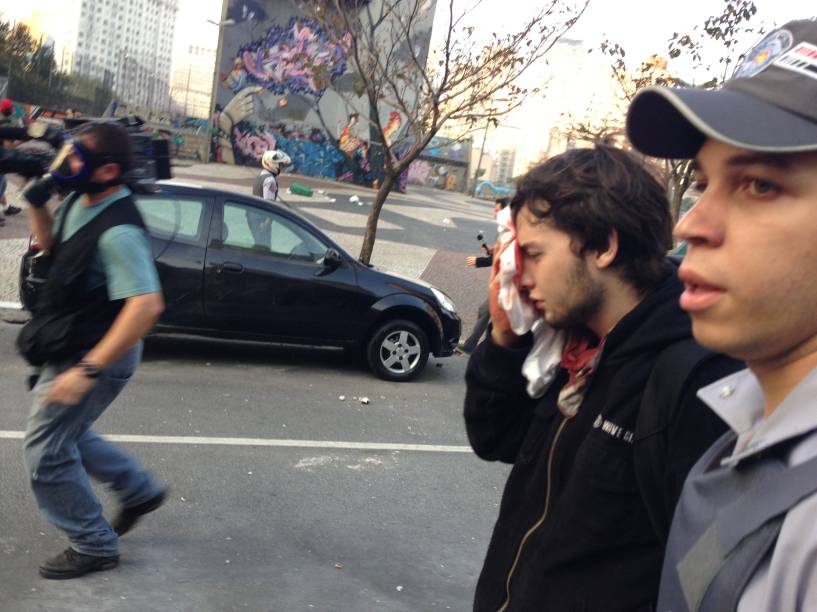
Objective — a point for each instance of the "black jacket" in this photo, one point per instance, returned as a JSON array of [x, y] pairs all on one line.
[[484, 262], [572, 509]]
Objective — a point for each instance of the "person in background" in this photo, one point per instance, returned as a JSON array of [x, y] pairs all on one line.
[[266, 187], [483, 315], [266, 183], [6, 120]]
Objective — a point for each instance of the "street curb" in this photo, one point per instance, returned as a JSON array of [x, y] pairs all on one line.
[[12, 312]]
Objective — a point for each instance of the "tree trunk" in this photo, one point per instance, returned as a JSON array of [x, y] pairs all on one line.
[[680, 181], [675, 203], [374, 215]]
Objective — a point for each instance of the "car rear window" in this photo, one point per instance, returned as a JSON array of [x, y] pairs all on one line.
[[177, 219]]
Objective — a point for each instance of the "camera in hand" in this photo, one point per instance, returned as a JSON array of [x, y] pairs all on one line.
[[483, 244], [151, 161]]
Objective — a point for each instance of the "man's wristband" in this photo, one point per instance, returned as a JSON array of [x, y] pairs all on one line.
[[90, 370]]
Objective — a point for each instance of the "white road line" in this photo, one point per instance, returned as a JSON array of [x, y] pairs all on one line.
[[11, 305], [365, 446]]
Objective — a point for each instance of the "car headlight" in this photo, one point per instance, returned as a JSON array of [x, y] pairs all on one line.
[[444, 301]]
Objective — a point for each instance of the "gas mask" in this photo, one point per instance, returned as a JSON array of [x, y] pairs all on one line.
[[74, 165], [71, 171]]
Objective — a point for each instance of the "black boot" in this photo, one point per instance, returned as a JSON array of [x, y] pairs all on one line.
[[71, 564], [127, 517]]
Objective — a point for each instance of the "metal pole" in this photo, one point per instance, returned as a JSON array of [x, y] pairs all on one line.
[[187, 90], [479, 163]]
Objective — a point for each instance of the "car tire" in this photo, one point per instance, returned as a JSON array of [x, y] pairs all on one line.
[[397, 351]]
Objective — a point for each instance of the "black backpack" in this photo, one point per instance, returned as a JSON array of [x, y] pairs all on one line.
[[665, 387]]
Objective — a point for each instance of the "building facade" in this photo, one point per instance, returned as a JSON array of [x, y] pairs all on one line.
[[191, 86], [502, 169], [126, 44]]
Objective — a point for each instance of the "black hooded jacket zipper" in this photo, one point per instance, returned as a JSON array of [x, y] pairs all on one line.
[[539, 522]]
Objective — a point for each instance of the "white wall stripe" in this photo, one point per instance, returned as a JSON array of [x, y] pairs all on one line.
[[205, 441]]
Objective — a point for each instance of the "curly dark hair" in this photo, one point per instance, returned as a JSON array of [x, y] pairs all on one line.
[[588, 192]]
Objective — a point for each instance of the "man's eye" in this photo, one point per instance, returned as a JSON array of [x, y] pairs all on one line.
[[697, 187], [760, 187]]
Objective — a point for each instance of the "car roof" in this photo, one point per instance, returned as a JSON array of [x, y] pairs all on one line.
[[178, 187]]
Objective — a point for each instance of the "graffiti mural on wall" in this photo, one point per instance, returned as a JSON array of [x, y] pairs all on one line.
[[310, 152], [489, 191], [285, 83], [298, 61], [298, 58], [443, 164], [418, 172]]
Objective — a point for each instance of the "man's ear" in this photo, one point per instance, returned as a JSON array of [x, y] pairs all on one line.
[[107, 172], [604, 259]]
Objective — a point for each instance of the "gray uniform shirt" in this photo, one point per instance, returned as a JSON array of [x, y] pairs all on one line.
[[787, 580], [266, 186]]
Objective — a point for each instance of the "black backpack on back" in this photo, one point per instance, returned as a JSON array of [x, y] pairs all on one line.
[[665, 387]]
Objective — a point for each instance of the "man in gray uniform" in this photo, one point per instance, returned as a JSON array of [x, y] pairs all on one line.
[[744, 535]]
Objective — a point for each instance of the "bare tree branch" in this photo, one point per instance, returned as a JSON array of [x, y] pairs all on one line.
[[466, 80]]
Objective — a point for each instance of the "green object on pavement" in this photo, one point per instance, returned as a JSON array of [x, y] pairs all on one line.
[[301, 190]]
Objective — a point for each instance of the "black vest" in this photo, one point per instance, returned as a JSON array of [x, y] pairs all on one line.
[[68, 320]]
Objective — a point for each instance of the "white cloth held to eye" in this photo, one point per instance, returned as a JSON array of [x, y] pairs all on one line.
[[542, 363], [543, 360], [520, 314]]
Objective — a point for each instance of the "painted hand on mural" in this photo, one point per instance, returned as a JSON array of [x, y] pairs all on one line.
[[239, 108]]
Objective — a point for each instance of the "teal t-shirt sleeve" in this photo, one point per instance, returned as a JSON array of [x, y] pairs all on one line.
[[125, 254]]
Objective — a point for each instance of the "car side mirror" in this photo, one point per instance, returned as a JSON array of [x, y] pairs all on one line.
[[331, 261], [332, 258]]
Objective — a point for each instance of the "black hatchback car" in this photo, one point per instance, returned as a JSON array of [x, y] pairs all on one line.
[[238, 267]]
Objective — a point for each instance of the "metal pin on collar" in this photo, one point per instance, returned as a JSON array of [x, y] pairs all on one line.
[[727, 391]]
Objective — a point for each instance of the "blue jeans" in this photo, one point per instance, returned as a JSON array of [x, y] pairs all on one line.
[[61, 452]]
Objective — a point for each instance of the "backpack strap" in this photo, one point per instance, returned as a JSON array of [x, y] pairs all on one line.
[[717, 568], [662, 395], [69, 203]]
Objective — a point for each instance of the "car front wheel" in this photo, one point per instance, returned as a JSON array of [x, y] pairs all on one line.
[[398, 351]]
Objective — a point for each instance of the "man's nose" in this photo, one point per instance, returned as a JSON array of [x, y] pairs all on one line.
[[703, 224], [525, 278]]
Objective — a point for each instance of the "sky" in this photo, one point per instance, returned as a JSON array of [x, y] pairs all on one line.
[[642, 27]]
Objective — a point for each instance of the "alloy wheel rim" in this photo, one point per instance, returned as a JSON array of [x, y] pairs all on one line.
[[400, 352]]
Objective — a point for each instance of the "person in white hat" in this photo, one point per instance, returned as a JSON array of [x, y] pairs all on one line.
[[266, 183]]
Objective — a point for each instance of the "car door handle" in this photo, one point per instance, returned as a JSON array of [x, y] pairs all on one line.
[[229, 266]]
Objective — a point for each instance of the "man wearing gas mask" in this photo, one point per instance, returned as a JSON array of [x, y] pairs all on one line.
[[100, 297]]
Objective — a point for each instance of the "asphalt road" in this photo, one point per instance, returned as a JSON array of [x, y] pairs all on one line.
[[258, 518]]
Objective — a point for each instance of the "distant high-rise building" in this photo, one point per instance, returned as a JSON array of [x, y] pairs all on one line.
[[503, 164], [126, 43], [192, 84]]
